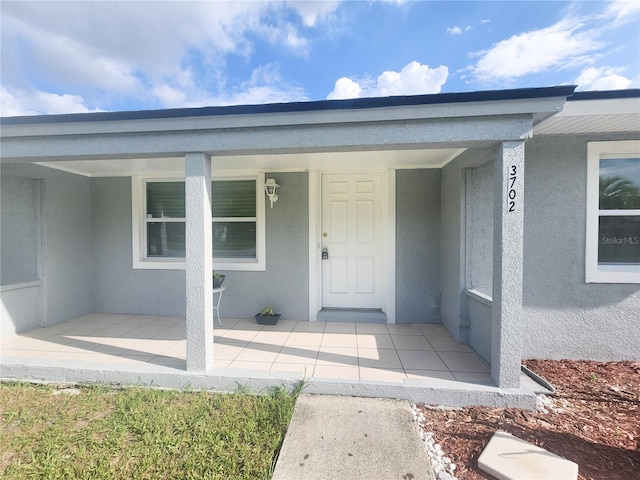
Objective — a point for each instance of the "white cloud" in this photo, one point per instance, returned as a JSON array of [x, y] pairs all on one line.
[[311, 12], [413, 79], [458, 30], [33, 102], [485, 20], [563, 45], [345, 88], [106, 52], [265, 85], [620, 9], [603, 78]]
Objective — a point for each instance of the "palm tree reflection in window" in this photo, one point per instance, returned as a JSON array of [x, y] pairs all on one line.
[[619, 193]]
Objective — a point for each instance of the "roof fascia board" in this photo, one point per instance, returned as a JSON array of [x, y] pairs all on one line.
[[532, 106], [612, 106], [416, 134]]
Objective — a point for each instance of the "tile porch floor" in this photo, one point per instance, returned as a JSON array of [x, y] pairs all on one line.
[[349, 351]]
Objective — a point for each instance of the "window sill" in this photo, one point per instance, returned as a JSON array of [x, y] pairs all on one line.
[[479, 296], [614, 274], [18, 286], [179, 264]]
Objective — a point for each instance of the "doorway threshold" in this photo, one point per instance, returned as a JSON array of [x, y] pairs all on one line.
[[362, 315]]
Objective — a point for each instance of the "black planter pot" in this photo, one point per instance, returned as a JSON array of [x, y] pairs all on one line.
[[267, 319], [217, 281]]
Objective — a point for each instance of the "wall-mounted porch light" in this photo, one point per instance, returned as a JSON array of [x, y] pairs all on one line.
[[271, 189]]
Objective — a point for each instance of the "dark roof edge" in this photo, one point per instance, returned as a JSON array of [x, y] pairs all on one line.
[[320, 105], [605, 94]]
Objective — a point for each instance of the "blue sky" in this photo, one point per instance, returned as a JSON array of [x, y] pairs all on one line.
[[63, 57]]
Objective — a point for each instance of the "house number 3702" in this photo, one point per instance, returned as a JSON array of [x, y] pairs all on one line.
[[511, 191]]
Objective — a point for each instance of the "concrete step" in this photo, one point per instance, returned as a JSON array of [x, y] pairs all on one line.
[[352, 315], [508, 458], [335, 437]]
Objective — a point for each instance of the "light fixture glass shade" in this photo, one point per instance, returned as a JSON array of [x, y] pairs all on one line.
[[271, 189]]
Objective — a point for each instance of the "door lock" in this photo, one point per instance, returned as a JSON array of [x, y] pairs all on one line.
[[325, 254]]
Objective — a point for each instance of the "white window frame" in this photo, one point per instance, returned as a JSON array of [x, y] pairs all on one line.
[[595, 273], [139, 230]]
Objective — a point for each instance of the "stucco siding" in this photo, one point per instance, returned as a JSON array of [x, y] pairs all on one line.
[[121, 289], [453, 266], [118, 288], [564, 317], [418, 246], [66, 251]]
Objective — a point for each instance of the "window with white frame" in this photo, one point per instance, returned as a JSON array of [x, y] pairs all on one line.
[[237, 223], [613, 212]]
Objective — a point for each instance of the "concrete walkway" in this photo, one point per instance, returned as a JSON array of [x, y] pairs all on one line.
[[352, 438]]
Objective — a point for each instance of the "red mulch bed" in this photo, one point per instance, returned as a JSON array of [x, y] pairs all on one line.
[[594, 421]]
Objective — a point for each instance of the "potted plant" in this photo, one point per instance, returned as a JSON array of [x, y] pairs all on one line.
[[267, 316], [217, 279]]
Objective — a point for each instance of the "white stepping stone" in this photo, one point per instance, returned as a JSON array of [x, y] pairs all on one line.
[[508, 458]]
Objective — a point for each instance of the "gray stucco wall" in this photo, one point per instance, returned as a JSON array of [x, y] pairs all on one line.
[[20, 213], [418, 246], [118, 288], [479, 220], [67, 273], [564, 317], [454, 312]]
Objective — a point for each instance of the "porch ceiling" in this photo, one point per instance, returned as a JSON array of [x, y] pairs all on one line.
[[343, 161]]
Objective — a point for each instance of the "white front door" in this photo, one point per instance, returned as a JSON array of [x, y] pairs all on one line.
[[352, 237]]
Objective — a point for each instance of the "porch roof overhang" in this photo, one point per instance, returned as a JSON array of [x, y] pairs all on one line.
[[403, 131]]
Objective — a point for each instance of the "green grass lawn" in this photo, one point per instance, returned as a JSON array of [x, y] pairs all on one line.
[[105, 432]]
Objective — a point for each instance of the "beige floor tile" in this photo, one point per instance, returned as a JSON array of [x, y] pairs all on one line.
[[248, 365], [226, 352], [221, 363], [281, 326], [167, 361], [340, 327], [374, 340], [434, 329], [247, 324], [229, 341], [100, 347], [463, 362], [403, 329], [272, 338], [409, 342], [135, 358], [297, 355], [343, 373], [480, 378], [379, 328], [246, 335], [339, 340], [317, 327], [304, 338], [97, 357], [178, 350], [382, 374], [379, 358], [420, 360], [173, 333], [447, 344], [17, 353], [262, 354], [337, 356], [426, 374]]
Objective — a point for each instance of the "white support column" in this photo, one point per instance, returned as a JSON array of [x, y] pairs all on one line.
[[508, 223], [199, 262]]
